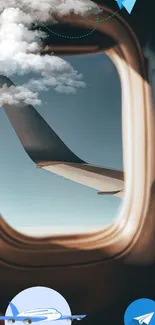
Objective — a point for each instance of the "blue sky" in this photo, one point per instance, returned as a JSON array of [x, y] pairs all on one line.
[[90, 124]]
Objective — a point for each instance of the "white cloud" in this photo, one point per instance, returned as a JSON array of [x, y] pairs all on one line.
[[12, 95], [19, 46]]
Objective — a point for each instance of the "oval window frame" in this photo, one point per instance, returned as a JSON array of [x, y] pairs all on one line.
[[116, 238]]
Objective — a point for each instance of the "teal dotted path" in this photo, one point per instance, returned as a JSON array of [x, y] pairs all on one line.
[[85, 35]]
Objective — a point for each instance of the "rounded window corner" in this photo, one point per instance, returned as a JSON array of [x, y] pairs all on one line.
[[115, 238]]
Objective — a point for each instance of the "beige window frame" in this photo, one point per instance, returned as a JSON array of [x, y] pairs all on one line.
[[133, 223]]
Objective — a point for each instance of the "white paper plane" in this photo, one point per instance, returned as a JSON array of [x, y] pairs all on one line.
[[145, 318]]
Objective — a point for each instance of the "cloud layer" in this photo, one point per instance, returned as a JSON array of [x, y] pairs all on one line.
[[19, 48]]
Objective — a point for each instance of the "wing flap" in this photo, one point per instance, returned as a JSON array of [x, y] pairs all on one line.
[[99, 178]]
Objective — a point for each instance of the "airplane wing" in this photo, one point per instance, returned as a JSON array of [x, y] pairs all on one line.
[[72, 317], [49, 152]]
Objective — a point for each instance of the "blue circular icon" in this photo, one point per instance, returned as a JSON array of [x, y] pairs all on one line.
[[141, 311], [42, 302]]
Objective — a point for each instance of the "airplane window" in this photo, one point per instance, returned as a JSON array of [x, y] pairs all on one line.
[[37, 202]]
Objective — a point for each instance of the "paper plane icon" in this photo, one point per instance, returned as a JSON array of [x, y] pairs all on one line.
[[127, 4], [144, 319]]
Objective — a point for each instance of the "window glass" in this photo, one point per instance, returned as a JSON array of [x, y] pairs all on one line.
[[37, 202]]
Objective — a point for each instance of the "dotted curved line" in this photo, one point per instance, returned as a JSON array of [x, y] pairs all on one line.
[[85, 35], [106, 18], [65, 36]]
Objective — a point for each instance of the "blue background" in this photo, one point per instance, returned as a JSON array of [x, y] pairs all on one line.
[[138, 308]]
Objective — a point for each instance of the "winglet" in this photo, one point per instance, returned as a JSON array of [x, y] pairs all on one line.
[[14, 309], [38, 139]]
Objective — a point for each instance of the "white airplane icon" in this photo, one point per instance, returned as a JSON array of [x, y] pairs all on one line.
[[144, 319], [38, 315]]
